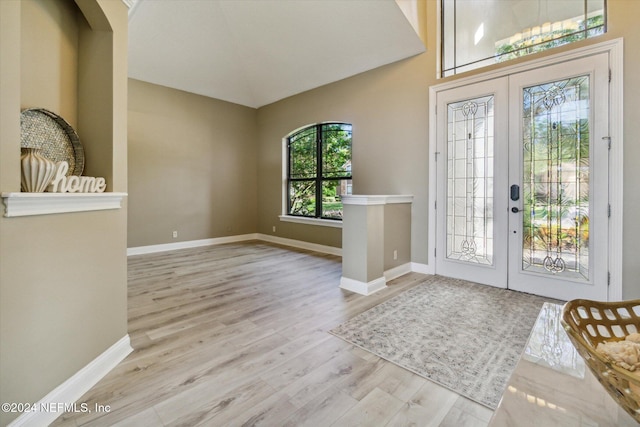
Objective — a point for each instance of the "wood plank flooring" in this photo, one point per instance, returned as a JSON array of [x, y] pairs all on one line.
[[236, 335]]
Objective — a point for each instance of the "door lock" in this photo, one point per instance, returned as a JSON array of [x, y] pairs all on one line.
[[514, 192]]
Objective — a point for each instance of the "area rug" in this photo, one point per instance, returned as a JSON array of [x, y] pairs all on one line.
[[461, 335]]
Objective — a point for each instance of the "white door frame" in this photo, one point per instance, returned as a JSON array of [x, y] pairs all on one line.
[[615, 50]]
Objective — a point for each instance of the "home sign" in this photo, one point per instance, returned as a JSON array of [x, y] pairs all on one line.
[[62, 183]]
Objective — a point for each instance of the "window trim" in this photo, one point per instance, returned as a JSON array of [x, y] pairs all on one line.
[[336, 223], [301, 219]]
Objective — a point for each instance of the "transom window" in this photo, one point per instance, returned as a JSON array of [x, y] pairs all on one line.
[[319, 170], [479, 33]]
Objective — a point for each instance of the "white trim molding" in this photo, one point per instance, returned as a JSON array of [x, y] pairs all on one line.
[[363, 288], [75, 387], [331, 250], [26, 204], [395, 272], [311, 221], [367, 200], [616, 162], [417, 267], [141, 250]]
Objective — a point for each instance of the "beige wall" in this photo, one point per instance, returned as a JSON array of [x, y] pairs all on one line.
[[62, 277], [397, 234], [362, 249], [371, 233], [58, 50], [192, 166], [388, 108]]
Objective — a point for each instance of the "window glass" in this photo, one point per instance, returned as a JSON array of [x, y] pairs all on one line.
[[336, 150], [302, 154], [319, 170], [302, 198], [478, 33]]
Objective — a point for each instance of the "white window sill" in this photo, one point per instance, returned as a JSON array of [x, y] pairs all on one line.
[[25, 204], [358, 199], [311, 221]]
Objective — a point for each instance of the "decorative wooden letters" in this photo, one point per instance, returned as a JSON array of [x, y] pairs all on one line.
[[62, 183]]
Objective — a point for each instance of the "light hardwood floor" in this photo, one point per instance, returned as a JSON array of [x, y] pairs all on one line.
[[236, 334]]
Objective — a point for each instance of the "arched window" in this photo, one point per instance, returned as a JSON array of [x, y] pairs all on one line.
[[318, 170]]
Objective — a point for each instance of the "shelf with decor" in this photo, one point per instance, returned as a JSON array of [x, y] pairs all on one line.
[[52, 163]]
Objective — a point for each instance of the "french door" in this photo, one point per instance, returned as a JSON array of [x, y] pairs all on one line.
[[522, 170], [471, 161]]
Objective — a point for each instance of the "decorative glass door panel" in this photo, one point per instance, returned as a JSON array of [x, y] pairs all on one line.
[[472, 220], [559, 158], [555, 182], [470, 180]]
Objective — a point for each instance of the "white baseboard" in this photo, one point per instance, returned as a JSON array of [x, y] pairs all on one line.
[[422, 268], [395, 272], [363, 288], [72, 389], [381, 283], [331, 250], [141, 250]]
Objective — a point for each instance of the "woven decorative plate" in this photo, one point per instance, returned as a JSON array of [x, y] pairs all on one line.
[[589, 323], [56, 139]]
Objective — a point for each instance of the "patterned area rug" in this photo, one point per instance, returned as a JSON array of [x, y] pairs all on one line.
[[464, 336]]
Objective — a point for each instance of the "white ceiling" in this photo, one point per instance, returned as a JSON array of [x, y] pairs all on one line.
[[255, 52]]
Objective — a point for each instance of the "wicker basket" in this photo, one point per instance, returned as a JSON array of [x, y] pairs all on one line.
[[589, 323]]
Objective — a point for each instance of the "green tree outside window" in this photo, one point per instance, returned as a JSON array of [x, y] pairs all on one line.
[[319, 170]]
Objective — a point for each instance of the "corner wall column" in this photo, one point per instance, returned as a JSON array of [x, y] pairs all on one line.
[[363, 243]]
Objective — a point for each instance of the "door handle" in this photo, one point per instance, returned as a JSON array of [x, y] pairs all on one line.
[[515, 210]]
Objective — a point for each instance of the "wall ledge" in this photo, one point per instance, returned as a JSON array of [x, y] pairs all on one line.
[[357, 199], [311, 221], [26, 204]]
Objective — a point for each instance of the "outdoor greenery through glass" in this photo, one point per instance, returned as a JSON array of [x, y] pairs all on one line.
[[556, 188], [479, 33], [549, 39], [319, 170]]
